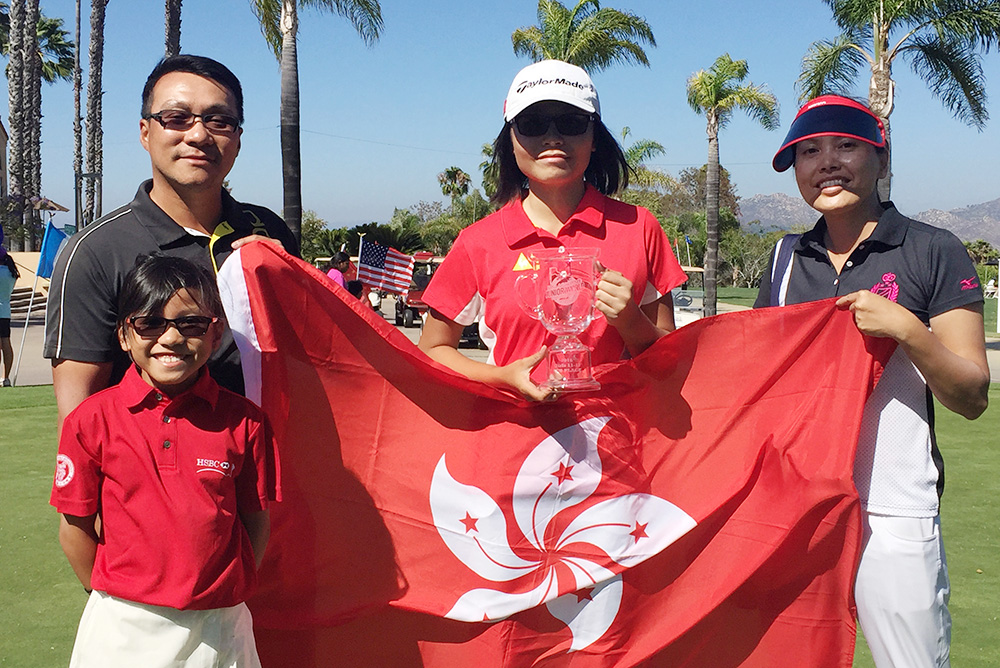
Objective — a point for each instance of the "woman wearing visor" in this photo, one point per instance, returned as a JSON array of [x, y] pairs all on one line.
[[913, 283], [558, 164]]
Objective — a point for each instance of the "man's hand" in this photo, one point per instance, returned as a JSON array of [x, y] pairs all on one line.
[[243, 241]]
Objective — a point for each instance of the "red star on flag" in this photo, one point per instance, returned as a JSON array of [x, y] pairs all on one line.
[[584, 595], [469, 522], [563, 474], [639, 531]]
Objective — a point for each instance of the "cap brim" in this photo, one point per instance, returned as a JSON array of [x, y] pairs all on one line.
[[828, 121]]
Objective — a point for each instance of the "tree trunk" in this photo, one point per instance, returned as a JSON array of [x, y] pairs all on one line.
[[33, 87], [291, 157], [95, 135], [712, 217], [881, 93], [15, 148], [173, 27], [77, 124]]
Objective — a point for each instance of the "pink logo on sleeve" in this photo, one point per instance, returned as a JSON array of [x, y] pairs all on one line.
[[887, 287], [970, 283]]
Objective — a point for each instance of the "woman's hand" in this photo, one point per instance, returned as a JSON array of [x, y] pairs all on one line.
[[439, 340], [877, 316], [614, 297], [517, 376]]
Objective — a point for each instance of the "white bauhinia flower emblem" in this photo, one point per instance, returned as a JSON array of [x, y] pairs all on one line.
[[562, 471]]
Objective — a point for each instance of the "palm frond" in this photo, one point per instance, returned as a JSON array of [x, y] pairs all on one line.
[[528, 41], [831, 66], [268, 14], [364, 15], [976, 22], [954, 74]]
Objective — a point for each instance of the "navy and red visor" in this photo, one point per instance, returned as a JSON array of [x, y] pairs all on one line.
[[829, 116]]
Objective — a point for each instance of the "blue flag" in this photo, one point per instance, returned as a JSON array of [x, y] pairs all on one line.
[[52, 241]]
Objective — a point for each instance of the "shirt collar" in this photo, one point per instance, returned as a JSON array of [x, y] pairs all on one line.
[[136, 392], [164, 229], [517, 226], [890, 230]]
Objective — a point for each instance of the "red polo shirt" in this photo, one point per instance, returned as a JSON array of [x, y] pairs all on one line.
[[169, 478], [476, 279]]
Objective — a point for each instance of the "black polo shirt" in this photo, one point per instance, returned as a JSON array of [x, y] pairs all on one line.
[[82, 308], [923, 268]]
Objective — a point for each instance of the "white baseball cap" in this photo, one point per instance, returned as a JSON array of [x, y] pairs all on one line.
[[551, 80]]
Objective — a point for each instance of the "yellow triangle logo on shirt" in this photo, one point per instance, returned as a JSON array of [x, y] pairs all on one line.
[[523, 264]]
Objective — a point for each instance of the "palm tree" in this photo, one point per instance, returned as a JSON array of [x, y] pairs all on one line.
[[589, 36], [490, 170], [941, 39], [716, 93], [95, 133], [637, 154], [454, 183], [172, 27], [77, 120], [279, 24], [36, 53]]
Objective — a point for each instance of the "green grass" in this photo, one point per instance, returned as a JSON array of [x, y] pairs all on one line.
[[42, 599]]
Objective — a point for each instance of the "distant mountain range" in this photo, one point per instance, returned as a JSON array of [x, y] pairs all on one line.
[[780, 211]]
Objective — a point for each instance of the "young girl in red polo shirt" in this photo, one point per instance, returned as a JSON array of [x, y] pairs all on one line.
[[180, 473]]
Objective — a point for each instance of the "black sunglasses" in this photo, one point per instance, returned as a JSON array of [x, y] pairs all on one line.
[[181, 121], [153, 326], [535, 125]]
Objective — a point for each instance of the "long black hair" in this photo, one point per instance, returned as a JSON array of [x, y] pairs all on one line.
[[8, 262], [608, 170]]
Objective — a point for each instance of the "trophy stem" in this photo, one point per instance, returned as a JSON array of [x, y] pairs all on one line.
[[569, 366]]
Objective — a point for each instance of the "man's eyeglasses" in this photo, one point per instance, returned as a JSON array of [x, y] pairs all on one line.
[[535, 125], [181, 121], [153, 326]]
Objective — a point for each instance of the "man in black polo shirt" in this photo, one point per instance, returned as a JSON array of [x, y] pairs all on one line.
[[913, 283], [192, 112]]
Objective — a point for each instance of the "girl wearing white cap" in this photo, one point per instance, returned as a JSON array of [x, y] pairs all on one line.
[[913, 283], [558, 163]]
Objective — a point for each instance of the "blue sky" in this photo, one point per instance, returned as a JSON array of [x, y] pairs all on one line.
[[380, 123]]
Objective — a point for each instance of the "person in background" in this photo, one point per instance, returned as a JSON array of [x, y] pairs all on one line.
[[8, 278], [915, 284], [558, 166], [191, 124], [180, 473], [339, 265]]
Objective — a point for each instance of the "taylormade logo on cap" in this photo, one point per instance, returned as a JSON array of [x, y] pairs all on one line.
[[551, 80]]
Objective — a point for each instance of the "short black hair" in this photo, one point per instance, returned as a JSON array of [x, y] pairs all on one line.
[[340, 256], [156, 278], [608, 170], [200, 65]]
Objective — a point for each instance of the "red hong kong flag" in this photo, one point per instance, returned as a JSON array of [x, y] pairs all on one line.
[[698, 510]]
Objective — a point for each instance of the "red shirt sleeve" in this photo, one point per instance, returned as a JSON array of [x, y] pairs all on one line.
[[455, 284], [258, 481], [76, 489]]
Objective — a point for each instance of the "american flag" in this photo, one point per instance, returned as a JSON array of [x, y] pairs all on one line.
[[384, 268]]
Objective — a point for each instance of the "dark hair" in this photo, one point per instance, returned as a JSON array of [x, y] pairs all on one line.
[[8, 261], [608, 170], [340, 256], [355, 288], [155, 279], [200, 65]]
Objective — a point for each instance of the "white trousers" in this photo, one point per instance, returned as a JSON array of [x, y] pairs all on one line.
[[115, 633], [902, 592]]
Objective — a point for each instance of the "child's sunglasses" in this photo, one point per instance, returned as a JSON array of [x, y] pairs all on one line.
[[535, 125], [153, 326]]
